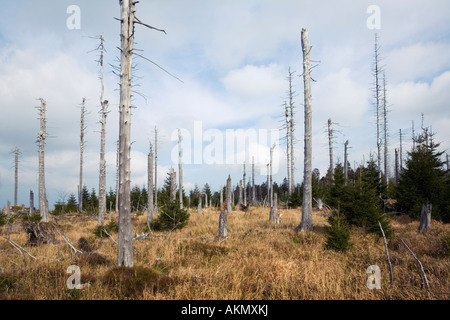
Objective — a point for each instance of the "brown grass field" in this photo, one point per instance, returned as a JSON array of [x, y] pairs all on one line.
[[258, 261]]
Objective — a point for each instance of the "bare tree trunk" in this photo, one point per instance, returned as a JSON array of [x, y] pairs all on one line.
[[31, 203], [150, 216], [8, 209], [223, 230], [102, 178], [288, 150], [386, 143], [82, 130], [377, 71], [425, 217], [16, 174], [245, 187], [346, 162], [206, 200], [330, 144], [292, 129], [156, 170], [125, 238], [117, 177], [173, 185], [221, 199], [180, 170], [199, 207], [253, 182], [229, 191], [43, 209], [240, 193], [397, 167], [306, 223], [401, 153]]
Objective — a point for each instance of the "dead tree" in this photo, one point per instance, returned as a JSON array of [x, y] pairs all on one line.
[[401, 153], [386, 143], [288, 149], [150, 208], [156, 170], [104, 113], [199, 206], [397, 167], [306, 223], [8, 209], [125, 237], [377, 70], [245, 187], [229, 200], [346, 162], [292, 129], [117, 176], [223, 223], [425, 217], [271, 200], [173, 185], [43, 205], [330, 146], [253, 182], [82, 131], [240, 193], [180, 170], [31, 202], [16, 175]]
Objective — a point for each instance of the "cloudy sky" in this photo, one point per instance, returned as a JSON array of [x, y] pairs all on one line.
[[232, 58]]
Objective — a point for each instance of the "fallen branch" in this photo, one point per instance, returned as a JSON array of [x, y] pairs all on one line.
[[420, 264], [69, 243], [110, 236], [387, 254], [18, 247]]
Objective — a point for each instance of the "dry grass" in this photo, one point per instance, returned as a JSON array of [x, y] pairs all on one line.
[[259, 261]]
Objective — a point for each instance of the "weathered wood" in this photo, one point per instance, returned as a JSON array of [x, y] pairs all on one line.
[[245, 187], [223, 224], [82, 131], [125, 238], [425, 217], [387, 254], [306, 224], [150, 206], [330, 146], [8, 209], [425, 280], [386, 142], [102, 176], [31, 202], [43, 208], [229, 192], [16, 175]]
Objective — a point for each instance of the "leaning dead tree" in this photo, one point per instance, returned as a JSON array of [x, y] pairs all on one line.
[[43, 205], [125, 237], [82, 131], [306, 223], [180, 170], [104, 114]]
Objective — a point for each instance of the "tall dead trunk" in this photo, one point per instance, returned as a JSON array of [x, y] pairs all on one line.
[[173, 185], [43, 209], [306, 223], [102, 178], [425, 217], [31, 203], [253, 182], [377, 71], [386, 143], [223, 230], [292, 129], [229, 200], [401, 153], [16, 175], [346, 162], [82, 130], [397, 167], [180, 170], [150, 207], [245, 187], [125, 238], [330, 146], [156, 170], [240, 193], [288, 150], [117, 177]]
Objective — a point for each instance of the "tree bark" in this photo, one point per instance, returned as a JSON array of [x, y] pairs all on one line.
[[125, 238], [330, 145], [425, 217], [43, 209], [16, 175], [82, 130], [386, 142], [253, 182], [180, 170], [306, 224], [156, 170], [223, 230], [245, 187], [378, 98], [229, 191], [102, 178], [31, 203], [150, 207]]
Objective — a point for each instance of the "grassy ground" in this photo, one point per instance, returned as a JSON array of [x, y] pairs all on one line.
[[258, 261]]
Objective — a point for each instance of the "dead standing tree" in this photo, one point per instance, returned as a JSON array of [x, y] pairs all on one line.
[[180, 169], [43, 205], [377, 94], [330, 146], [104, 113], [150, 206], [385, 122], [306, 224], [82, 130]]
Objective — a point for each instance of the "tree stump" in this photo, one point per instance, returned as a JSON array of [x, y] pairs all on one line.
[[425, 217]]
